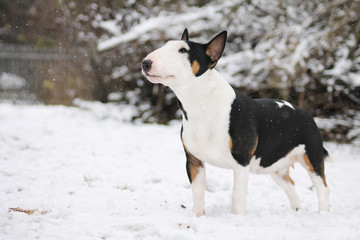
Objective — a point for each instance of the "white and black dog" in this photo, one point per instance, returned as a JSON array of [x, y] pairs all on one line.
[[225, 128]]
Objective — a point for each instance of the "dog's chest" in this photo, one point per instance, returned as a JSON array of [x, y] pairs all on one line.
[[206, 135]]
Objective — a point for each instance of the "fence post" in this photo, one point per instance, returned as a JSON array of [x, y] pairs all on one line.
[[38, 68]]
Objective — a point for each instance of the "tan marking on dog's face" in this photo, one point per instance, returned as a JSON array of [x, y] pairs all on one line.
[[208, 52], [195, 67], [287, 178]]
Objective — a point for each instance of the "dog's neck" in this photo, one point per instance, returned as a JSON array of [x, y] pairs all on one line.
[[204, 92]]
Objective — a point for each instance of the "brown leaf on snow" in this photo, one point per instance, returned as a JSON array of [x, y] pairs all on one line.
[[28, 211]]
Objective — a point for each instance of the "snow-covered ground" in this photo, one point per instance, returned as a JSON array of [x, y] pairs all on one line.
[[86, 173]]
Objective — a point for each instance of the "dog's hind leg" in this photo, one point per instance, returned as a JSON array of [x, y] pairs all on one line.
[[284, 180], [314, 165], [241, 176], [322, 192]]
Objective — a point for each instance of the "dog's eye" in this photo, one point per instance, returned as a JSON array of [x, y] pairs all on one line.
[[183, 50]]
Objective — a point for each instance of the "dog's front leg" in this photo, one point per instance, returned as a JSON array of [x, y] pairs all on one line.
[[196, 173], [241, 175], [198, 186]]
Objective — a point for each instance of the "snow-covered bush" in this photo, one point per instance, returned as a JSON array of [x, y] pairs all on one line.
[[10, 82], [304, 51]]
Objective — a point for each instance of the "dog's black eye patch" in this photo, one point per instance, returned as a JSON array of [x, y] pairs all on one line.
[[199, 60], [183, 50]]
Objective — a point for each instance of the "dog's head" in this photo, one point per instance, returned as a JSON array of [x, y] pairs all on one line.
[[182, 60]]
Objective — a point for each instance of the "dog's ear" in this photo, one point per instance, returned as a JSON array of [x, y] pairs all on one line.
[[216, 47], [185, 35]]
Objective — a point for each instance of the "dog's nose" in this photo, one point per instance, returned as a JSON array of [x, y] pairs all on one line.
[[146, 65]]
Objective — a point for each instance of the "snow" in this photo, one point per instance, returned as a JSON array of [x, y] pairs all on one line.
[[88, 173], [268, 43], [169, 22], [133, 35], [352, 123], [10, 81]]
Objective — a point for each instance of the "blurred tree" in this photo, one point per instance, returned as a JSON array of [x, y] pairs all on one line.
[[303, 51]]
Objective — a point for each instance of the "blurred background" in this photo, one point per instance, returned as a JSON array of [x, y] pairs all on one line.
[[304, 51]]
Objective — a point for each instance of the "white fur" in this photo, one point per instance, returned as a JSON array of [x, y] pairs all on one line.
[[322, 191], [170, 67], [284, 103], [198, 192], [289, 189], [207, 100], [241, 176], [205, 133], [278, 171], [283, 164]]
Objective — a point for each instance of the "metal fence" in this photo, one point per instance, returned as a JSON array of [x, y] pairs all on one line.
[[53, 75]]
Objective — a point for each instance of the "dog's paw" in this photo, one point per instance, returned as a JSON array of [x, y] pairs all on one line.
[[199, 211], [238, 211], [199, 214], [324, 209], [295, 207]]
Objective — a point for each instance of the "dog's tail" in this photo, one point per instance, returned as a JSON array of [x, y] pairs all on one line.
[[327, 156]]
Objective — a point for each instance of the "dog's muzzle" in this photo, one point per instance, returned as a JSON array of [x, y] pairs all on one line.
[[146, 65]]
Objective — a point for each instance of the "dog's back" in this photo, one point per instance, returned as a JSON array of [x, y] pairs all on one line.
[[271, 129]]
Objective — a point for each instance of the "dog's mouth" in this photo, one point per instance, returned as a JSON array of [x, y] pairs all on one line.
[[157, 77], [152, 76]]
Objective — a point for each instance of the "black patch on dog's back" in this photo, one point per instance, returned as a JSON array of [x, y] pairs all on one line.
[[275, 130], [281, 129]]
